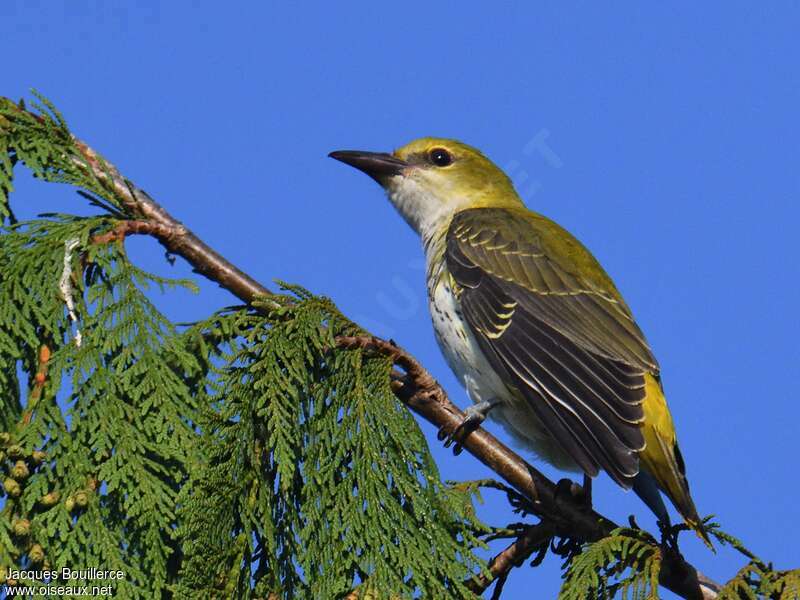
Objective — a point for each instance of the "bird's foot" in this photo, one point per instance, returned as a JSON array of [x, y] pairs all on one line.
[[669, 534], [566, 489], [473, 417]]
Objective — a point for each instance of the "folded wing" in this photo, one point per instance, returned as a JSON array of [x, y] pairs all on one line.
[[547, 316]]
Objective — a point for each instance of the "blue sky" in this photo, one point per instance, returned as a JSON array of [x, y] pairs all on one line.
[[664, 136]]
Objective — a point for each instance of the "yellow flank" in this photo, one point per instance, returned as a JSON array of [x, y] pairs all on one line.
[[661, 456]]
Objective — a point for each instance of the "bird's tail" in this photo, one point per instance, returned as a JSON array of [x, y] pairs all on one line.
[[662, 458]]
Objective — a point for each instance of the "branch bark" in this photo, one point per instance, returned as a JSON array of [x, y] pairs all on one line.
[[415, 387]]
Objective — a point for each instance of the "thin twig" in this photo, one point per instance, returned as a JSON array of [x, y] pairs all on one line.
[[180, 240], [514, 555]]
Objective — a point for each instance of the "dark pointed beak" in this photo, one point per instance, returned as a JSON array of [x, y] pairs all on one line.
[[378, 165]]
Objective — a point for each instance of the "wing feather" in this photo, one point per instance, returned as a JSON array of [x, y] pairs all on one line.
[[566, 339]]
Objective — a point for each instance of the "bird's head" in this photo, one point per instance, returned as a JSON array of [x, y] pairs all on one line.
[[431, 179]]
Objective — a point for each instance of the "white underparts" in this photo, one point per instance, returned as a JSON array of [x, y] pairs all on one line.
[[482, 383]]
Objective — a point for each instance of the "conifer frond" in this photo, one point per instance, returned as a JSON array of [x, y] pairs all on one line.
[[292, 453], [787, 585], [7, 160], [316, 464], [627, 563], [757, 579], [117, 448], [43, 143]]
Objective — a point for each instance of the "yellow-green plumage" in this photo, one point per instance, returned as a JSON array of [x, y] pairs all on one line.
[[529, 320]]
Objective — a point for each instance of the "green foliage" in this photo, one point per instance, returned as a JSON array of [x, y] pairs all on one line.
[[627, 561], [756, 579], [31, 309], [627, 564], [244, 456], [118, 446], [7, 160], [41, 140], [316, 471]]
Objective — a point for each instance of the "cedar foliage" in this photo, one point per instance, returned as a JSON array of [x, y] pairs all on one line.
[[244, 456], [627, 562]]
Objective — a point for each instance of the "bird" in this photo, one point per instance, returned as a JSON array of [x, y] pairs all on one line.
[[532, 325]]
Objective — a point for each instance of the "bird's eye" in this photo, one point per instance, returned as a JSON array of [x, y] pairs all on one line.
[[440, 157]]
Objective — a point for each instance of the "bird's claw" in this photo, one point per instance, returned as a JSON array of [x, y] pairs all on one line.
[[457, 436], [473, 417], [669, 534]]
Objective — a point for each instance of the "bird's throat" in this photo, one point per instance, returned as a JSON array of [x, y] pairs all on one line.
[[421, 209]]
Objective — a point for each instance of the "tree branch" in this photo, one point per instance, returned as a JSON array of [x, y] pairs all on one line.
[[415, 387], [514, 555]]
